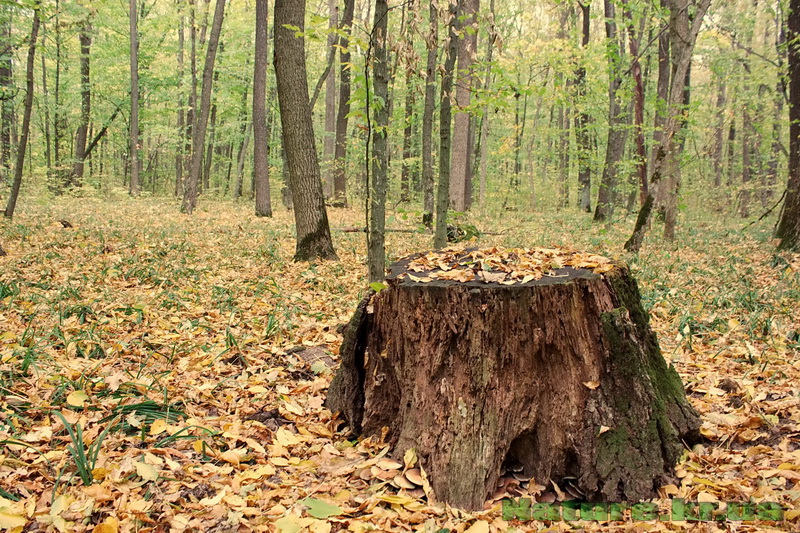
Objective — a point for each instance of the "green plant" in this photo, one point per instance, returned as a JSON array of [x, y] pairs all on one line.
[[85, 457]]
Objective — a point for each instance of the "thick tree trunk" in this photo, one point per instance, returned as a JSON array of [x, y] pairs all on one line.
[[427, 119], [311, 218], [135, 186], [86, 105], [561, 375], [260, 129], [461, 169], [445, 119], [788, 230], [199, 134], [26, 118], [582, 122]]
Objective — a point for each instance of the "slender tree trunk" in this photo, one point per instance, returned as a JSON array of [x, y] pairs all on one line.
[[198, 140], [340, 152], [26, 118], [719, 132], [483, 139], [427, 119], [260, 127], [47, 115], [181, 125], [582, 121], [135, 183], [311, 218], [241, 160], [191, 111], [634, 39], [209, 157], [788, 230], [408, 114], [744, 192], [684, 36], [461, 169], [243, 125], [58, 113], [662, 95], [86, 102], [329, 140], [6, 86], [376, 234], [445, 118], [617, 132]]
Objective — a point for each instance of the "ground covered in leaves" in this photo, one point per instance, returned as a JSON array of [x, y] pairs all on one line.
[[163, 372]]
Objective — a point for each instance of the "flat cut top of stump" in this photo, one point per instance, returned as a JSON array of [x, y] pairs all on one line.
[[497, 267]]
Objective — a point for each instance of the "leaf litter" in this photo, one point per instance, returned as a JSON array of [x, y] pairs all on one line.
[[176, 350]]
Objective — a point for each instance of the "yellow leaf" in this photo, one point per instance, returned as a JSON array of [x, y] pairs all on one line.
[[285, 437], [231, 456], [603, 429], [158, 427], [591, 385], [10, 521], [77, 398], [146, 471], [479, 526], [216, 499], [109, 525]]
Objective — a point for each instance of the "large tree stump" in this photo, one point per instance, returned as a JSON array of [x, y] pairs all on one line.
[[561, 374]]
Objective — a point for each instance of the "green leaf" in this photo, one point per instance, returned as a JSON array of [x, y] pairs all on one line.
[[377, 286], [320, 509]]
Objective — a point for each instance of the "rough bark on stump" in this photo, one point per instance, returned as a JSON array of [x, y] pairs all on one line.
[[561, 374]]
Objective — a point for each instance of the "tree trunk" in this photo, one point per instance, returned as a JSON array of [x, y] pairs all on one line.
[[483, 139], [311, 219], [26, 118], [461, 169], [199, 137], [788, 230], [329, 139], [427, 119], [445, 119], [7, 88], [58, 115], [86, 101], [582, 122], [376, 252], [135, 184], [408, 114], [684, 36], [617, 132], [48, 156], [340, 153], [634, 38], [260, 129], [240, 160], [719, 132], [464, 373], [208, 159], [181, 125]]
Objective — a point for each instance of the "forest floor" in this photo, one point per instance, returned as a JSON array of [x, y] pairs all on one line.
[[168, 345]]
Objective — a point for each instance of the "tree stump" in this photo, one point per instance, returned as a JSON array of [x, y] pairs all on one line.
[[479, 357]]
